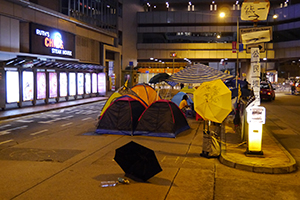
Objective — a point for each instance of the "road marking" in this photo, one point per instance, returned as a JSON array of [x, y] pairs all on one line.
[[4, 126], [12, 129], [67, 117], [7, 141], [42, 131], [67, 124], [86, 119], [25, 121]]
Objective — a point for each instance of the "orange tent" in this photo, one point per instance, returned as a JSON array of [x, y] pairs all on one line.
[[146, 93]]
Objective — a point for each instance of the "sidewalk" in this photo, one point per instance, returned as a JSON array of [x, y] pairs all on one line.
[[275, 160]]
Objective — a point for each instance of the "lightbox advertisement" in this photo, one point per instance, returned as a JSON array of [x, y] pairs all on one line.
[[101, 83], [27, 86], [87, 83], [94, 83], [12, 86], [72, 84], [41, 85], [51, 41], [63, 84], [52, 85], [80, 83]]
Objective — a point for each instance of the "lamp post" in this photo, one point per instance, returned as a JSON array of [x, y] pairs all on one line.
[[238, 47], [222, 15]]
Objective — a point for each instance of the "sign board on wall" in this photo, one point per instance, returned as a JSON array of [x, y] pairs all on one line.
[[50, 41]]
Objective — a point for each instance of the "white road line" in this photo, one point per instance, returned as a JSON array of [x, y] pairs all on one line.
[[25, 121], [86, 119], [50, 121], [67, 124], [12, 129], [7, 141], [67, 117], [5, 126], [42, 131]]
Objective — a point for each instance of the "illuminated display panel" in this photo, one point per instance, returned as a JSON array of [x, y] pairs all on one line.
[[80, 83], [63, 84], [12, 86], [72, 84], [87, 83], [52, 85], [27, 86], [41, 85], [101, 83], [94, 83], [50, 41]]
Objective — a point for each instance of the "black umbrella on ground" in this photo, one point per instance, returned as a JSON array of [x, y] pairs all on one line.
[[138, 162], [159, 78]]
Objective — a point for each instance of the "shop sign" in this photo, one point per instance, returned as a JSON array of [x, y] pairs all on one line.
[[49, 41]]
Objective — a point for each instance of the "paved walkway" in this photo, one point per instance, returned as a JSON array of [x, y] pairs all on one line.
[[275, 158]]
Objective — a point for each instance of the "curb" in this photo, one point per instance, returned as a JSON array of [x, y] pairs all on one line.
[[283, 169]]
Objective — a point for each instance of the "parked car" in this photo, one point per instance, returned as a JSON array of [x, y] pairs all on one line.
[[267, 91]]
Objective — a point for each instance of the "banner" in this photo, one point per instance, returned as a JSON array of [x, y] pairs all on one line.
[[255, 74]]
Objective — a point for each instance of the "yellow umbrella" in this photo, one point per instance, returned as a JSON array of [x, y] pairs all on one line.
[[213, 101]]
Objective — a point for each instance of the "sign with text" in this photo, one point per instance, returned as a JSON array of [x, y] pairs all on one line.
[[255, 10], [50, 41], [255, 74]]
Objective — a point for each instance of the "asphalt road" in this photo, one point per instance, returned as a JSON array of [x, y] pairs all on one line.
[[283, 116], [52, 158], [21, 129]]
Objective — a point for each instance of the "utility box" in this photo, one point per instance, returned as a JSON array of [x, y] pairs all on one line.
[[256, 117]]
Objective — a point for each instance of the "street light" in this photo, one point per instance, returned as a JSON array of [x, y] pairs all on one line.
[[222, 15]]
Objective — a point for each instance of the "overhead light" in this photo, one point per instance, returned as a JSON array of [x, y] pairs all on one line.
[[275, 16], [151, 58]]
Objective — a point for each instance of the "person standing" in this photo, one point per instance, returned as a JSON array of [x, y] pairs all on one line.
[[293, 87]]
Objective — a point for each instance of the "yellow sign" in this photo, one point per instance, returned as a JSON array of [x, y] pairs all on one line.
[[255, 10]]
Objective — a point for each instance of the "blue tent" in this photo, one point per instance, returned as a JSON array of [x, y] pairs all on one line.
[[178, 97]]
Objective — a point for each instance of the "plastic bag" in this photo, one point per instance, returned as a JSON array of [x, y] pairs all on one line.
[[211, 147]]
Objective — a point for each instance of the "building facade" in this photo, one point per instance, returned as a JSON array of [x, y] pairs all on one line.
[[107, 36], [195, 32], [60, 36]]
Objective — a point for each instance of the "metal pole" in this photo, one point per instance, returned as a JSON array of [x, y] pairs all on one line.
[[173, 65], [238, 49]]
